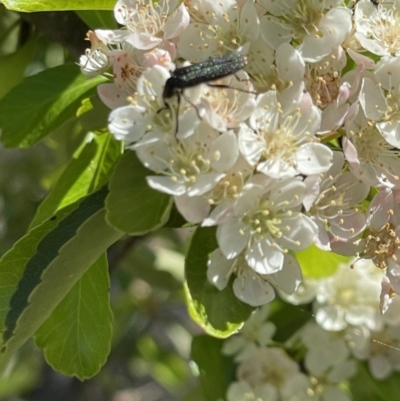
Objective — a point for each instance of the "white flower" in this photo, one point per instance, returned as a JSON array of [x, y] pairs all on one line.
[[148, 23], [379, 348], [255, 331], [281, 142], [328, 89], [95, 60], [148, 114], [331, 202], [380, 99], [325, 350], [249, 286], [317, 28], [382, 244], [371, 158], [350, 296], [229, 101], [226, 28], [270, 371], [242, 391], [270, 69], [266, 223], [191, 166], [377, 28]]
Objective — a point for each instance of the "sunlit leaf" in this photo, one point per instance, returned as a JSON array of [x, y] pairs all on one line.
[[58, 5], [220, 313], [41, 103], [316, 263], [63, 256], [89, 170], [76, 338]]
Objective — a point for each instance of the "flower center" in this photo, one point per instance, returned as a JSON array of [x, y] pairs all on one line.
[[147, 17], [370, 145], [323, 85], [386, 29], [382, 245], [304, 18], [282, 143]]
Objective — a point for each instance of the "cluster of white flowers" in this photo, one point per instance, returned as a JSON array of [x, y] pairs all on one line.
[[279, 155], [325, 353], [346, 310]]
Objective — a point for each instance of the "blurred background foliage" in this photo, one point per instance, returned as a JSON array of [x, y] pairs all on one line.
[[150, 353]]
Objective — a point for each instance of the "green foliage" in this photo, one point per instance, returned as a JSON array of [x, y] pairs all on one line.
[[63, 255], [220, 313], [364, 387], [76, 338], [216, 370], [58, 5], [316, 263], [97, 19], [13, 65], [61, 283], [132, 206], [89, 169], [42, 103]]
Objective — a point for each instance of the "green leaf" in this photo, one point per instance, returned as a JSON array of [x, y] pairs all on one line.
[[220, 313], [63, 256], [13, 65], [96, 19], [76, 338], [41, 103], [89, 169], [58, 5], [132, 206], [364, 387], [216, 370], [316, 263], [13, 263], [288, 318], [96, 118]]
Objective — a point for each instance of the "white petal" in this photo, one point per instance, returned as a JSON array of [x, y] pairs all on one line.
[[264, 258], [224, 152], [193, 209], [219, 269], [230, 239], [290, 277], [127, 124], [252, 291], [166, 185], [176, 23], [313, 158]]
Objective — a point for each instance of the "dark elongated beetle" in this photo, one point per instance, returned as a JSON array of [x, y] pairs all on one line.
[[203, 72]]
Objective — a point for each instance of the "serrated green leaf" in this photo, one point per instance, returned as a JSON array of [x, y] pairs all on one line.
[[63, 256], [132, 206], [316, 263], [220, 313], [76, 338], [216, 370], [42, 103], [58, 5], [96, 19], [13, 65], [90, 169]]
